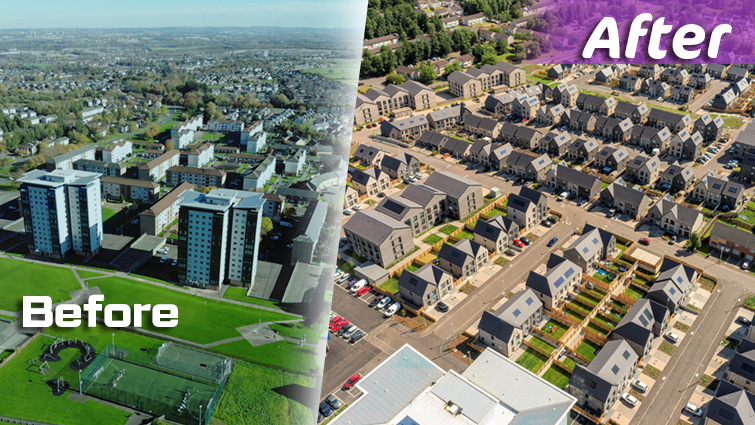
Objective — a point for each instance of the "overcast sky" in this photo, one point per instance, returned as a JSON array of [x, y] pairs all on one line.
[[183, 13]]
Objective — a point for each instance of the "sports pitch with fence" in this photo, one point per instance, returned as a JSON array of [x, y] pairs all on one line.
[[181, 383]]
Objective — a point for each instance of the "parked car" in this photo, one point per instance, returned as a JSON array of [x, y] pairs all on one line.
[[510, 252], [563, 196], [644, 241], [552, 242], [363, 290], [525, 241], [517, 243], [348, 334], [693, 410], [381, 195], [357, 207], [672, 240], [333, 402], [340, 325], [357, 286], [348, 211], [357, 336], [286, 224], [346, 329], [640, 386], [384, 302], [351, 381], [174, 263], [552, 219], [164, 259], [325, 409], [743, 320], [745, 265], [629, 399], [671, 337], [374, 302], [390, 311], [547, 223], [442, 307]]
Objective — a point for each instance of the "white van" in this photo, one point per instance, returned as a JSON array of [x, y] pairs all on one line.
[[563, 196], [357, 286]]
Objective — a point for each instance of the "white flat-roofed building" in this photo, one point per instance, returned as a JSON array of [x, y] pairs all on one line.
[[62, 212], [409, 389], [117, 152], [225, 126], [218, 237], [201, 156]]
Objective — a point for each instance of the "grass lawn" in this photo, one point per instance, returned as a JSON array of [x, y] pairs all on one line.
[[681, 326], [196, 314], [576, 316], [21, 278], [412, 267], [539, 343], [345, 267], [432, 239], [501, 261], [667, 348], [298, 330], [85, 274], [555, 328], [651, 371], [605, 321], [281, 354], [569, 362], [603, 277], [107, 213], [390, 285], [749, 301], [248, 397], [633, 292], [587, 349], [557, 376], [465, 234], [26, 396], [531, 360], [448, 229], [621, 246], [239, 294]]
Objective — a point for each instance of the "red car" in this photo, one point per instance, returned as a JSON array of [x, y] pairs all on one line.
[[363, 290], [350, 383], [518, 243], [338, 322], [645, 241], [335, 319], [340, 325]]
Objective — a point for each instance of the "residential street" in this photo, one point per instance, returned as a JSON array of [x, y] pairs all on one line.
[[665, 400]]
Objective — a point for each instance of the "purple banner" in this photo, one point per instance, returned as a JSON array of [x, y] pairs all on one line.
[[639, 32]]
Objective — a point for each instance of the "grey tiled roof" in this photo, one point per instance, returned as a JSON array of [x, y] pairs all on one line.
[[734, 235], [421, 193], [450, 183], [373, 226], [559, 271]]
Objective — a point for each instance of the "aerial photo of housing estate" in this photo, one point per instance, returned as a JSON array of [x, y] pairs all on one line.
[[199, 167], [540, 244]]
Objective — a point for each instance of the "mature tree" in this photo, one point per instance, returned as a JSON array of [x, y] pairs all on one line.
[[488, 59], [427, 73], [279, 100], [451, 67], [267, 226], [395, 79], [169, 145], [501, 46], [211, 112], [533, 50], [152, 132], [694, 243]]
